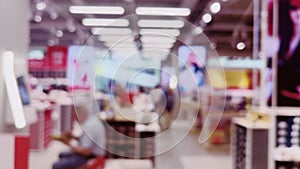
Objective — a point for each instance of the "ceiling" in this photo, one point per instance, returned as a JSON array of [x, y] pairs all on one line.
[[232, 24]]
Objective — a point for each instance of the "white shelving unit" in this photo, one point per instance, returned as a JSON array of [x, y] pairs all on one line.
[[284, 138], [249, 144]]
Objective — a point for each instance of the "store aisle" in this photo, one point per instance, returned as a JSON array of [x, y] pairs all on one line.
[[188, 154]]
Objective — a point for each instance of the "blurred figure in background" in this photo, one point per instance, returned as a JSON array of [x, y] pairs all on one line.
[[90, 145], [165, 119]]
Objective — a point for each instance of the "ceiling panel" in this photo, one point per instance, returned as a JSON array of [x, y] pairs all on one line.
[[235, 17]]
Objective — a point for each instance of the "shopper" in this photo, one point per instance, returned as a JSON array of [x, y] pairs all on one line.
[[142, 101], [158, 99], [165, 118], [89, 145], [289, 53]]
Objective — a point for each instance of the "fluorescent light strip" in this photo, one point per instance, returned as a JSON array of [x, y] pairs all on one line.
[[105, 22], [159, 11], [161, 23], [158, 45], [110, 10], [158, 39], [161, 54], [113, 31], [124, 50], [156, 51], [12, 89], [165, 32], [114, 38], [122, 45]]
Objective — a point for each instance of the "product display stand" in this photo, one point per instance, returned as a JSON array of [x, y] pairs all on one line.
[[249, 144], [41, 130], [284, 138], [124, 140], [220, 138]]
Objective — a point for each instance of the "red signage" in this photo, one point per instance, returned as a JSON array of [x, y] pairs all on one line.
[[36, 64], [57, 57]]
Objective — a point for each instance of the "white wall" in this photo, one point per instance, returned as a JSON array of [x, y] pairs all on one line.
[[14, 36]]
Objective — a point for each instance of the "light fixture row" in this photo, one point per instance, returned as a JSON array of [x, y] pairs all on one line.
[[118, 10], [128, 31], [143, 23]]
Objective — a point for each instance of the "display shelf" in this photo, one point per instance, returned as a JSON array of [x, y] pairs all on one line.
[[287, 165], [251, 125], [130, 140], [41, 130], [286, 154], [249, 144], [241, 63], [284, 138], [233, 92]]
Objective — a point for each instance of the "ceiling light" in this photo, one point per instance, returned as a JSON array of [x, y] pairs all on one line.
[[159, 11], [113, 31], [206, 18], [53, 15], [158, 45], [215, 7], [51, 42], [155, 53], [104, 22], [158, 54], [59, 33], [197, 31], [37, 18], [111, 10], [120, 45], [116, 38], [161, 23], [71, 28], [166, 32], [40, 5], [123, 50], [158, 39], [241, 46]]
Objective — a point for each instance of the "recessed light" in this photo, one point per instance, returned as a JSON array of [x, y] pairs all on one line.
[[241, 46], [37, 18], [41, 6], [215, 7], [197, 31], [206, 18], [59, 33]]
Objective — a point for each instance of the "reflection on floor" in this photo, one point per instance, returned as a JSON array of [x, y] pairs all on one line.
[[187, 154]]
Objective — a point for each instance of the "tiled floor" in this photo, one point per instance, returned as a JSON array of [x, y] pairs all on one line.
[[188, 154]]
